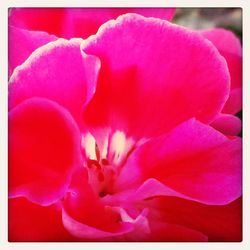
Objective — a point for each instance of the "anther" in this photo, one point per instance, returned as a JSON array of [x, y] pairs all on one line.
[[93, 163], [97, 152], [105, 162]]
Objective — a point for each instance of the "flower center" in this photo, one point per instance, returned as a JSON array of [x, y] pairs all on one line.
[[105, 158]]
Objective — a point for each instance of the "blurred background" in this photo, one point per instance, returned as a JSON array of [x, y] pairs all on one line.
[[205, 18]]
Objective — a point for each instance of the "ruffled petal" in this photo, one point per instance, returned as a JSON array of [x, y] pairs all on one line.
[[230, 48], [227, 124], [219, 223], [193, 161], [84, 214], [85, 232], [22, 43], [44, 150], [29, 222], [154, 75], [58, 71], [76, 22]]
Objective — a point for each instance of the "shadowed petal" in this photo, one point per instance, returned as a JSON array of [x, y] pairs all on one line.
[[83, 22], [234, 102], [76, 22], [227, 124], [219, 223], [163, 232], [31, 222], [50, 20]]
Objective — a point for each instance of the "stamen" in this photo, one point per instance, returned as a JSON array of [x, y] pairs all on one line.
[[117, 145], [97, 152], [93, 163], [120, 146], [89, 143], [105, 158], [105, 162]]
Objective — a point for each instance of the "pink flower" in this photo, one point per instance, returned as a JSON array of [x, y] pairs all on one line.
[[124, 136]]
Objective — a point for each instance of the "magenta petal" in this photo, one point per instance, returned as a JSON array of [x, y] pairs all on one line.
[[193, 160], [154, 75], [227, 124], [224, 40], [59, 71], [44, 149], [22, 43], [230, 48]]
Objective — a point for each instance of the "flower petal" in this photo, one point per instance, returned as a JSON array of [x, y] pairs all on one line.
[[224, 40], [22, 43], [230, 48], [29, 222], [83, 22], [58, 71], [84, 214], [76, 22], [174, 233], [194, 160], [234, 102], [44, 149], [84, 231], [219, 223], [154, 75], [227, 124], [50, 20]]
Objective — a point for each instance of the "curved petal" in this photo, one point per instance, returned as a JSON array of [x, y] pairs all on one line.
[[154, 75], [234, 102], [151, 227], [76, 22], [84, 214], [227, 124], [58, 71], [83, 231], [219, 223], [193, 160], [44, 149], [230, 48], [224, 40], [28, 222], [22, 43]]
